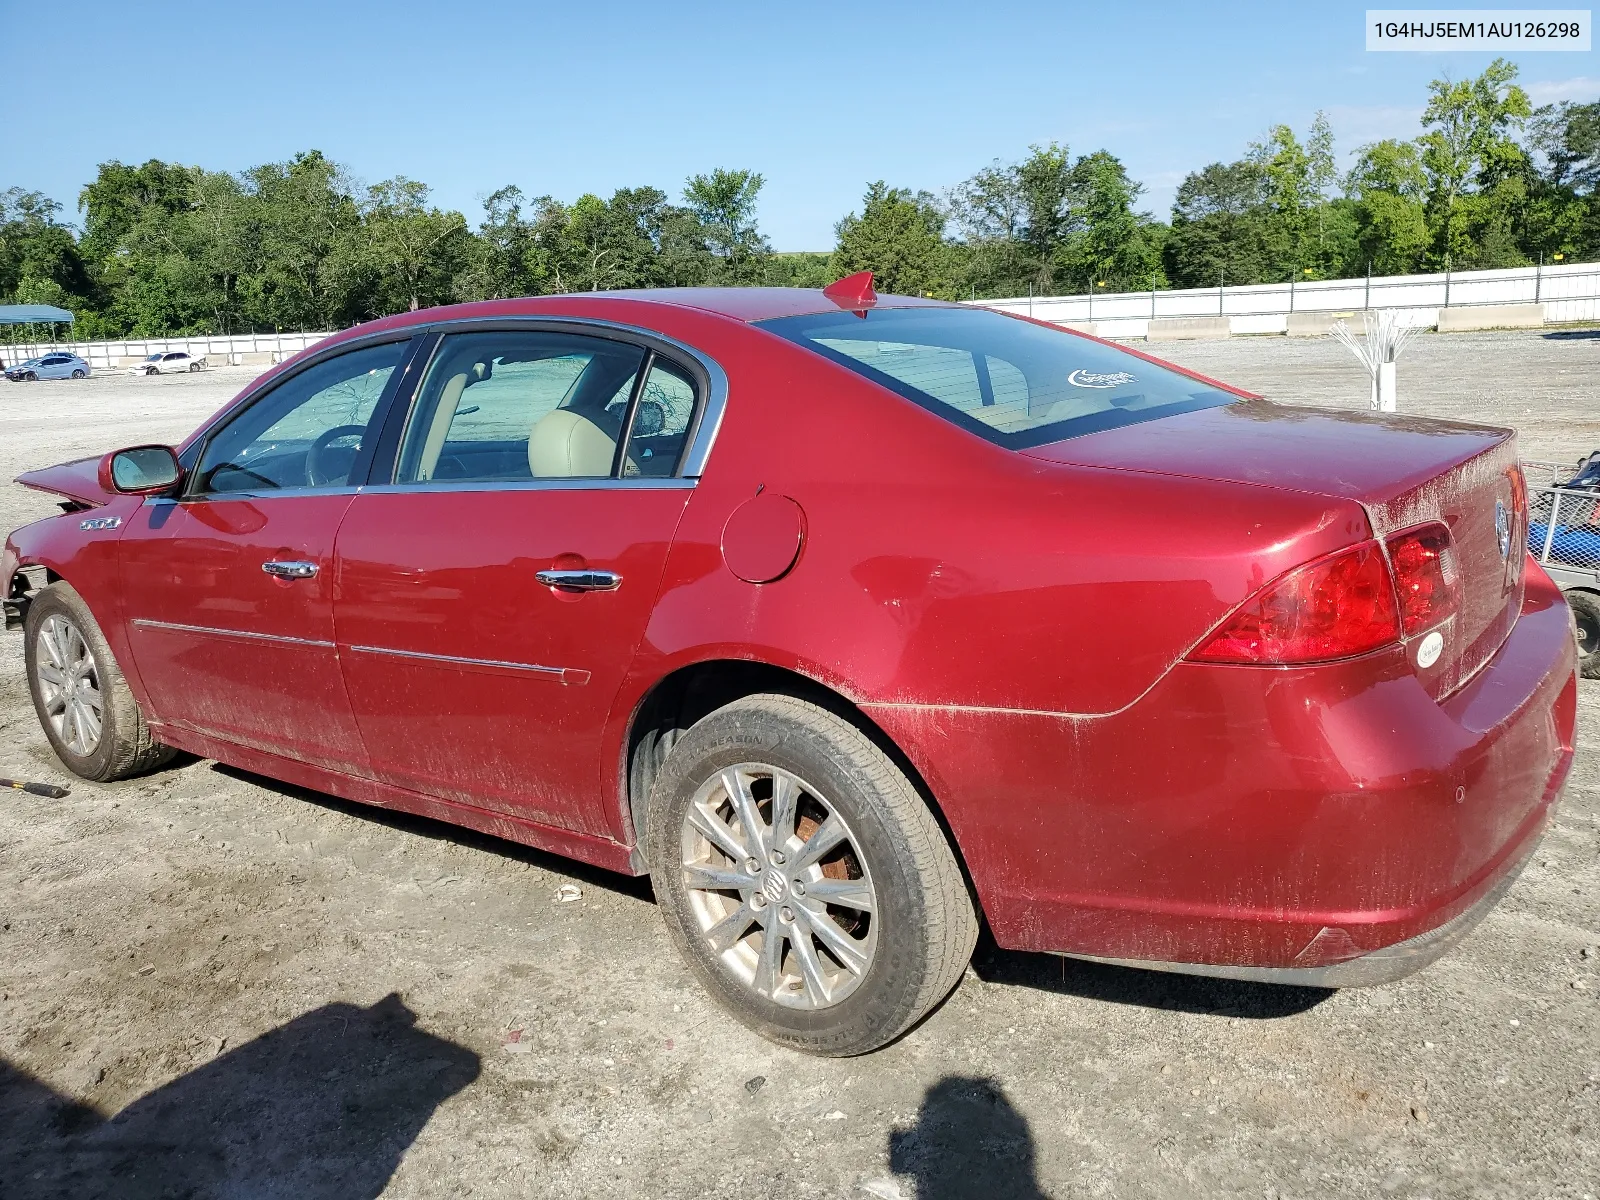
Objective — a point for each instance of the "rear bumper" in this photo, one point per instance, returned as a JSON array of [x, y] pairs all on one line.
[[1330, 826], [1383, 965]]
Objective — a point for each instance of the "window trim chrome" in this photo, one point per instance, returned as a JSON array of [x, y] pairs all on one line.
[[702, 437]]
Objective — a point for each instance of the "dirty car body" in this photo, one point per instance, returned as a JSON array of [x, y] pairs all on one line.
[[1188, 678]]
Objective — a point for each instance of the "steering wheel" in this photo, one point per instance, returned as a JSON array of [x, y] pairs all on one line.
[[321, 466]]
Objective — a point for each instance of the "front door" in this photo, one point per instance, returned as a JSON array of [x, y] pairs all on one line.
[[230, 587], [475, 673]]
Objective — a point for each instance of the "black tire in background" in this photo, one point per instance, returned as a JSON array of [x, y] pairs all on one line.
[[79, 373], [124, 746], [1585, 608], [922, 924]]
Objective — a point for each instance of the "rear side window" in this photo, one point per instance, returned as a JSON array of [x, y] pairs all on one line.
[[660, 422], [510, 406], [1007, 380]]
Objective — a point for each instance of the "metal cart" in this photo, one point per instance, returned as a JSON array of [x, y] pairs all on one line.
[[1564, 535]]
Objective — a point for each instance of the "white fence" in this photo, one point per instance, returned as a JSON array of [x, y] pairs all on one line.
[[247, 349], [1569, 291]]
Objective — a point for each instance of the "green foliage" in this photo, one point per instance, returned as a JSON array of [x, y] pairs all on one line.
[[167, 248]]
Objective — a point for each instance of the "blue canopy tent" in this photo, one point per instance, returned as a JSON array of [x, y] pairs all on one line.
[[31, 314], [35, 314]]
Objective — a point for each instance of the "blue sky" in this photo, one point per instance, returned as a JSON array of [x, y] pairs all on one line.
[[820, 98]]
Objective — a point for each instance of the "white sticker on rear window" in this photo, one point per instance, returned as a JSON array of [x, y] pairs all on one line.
[[1091, 379]]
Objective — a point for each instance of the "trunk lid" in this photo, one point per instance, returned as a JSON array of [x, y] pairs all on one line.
[[1404, 471]]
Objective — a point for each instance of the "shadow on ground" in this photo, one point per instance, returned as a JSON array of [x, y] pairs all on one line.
[[1148, 989], [968, 1142], [321, 1108]]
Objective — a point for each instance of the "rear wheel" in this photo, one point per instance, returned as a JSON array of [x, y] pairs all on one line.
[[90, 717], [803, 878], [1585, 608], [78, 373]]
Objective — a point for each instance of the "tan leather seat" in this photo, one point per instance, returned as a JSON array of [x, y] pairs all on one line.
[[565, 445]]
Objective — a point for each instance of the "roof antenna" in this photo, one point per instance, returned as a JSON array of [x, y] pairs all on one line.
[[854, 292]]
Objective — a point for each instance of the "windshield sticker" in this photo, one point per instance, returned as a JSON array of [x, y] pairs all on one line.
[[1089, 379]]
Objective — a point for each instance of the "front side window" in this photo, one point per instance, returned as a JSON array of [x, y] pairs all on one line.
[[1010, 381], [518, 405], [307, 431]]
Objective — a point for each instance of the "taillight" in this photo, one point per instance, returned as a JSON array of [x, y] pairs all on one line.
[[1335, 607], [1424, 577]]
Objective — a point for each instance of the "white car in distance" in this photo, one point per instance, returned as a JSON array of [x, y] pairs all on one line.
[[167, 362]]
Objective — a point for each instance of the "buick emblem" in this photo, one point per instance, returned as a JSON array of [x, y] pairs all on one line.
[[1502, 528]]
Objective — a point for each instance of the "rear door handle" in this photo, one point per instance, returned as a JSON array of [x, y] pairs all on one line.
[[581, 581], [290, 569]]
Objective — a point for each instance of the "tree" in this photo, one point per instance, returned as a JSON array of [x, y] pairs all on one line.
[[1390, 189], [413, 248], [1474, 167], [1220, 233], [724, 202], [898, 237], [1108, 242]]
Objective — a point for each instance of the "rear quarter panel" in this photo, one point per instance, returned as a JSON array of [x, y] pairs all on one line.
[[940, 570]]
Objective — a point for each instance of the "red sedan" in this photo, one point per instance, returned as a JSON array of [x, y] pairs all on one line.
[[848, 619]]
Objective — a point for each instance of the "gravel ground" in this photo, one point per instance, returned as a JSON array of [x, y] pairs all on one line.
[[211, 984]]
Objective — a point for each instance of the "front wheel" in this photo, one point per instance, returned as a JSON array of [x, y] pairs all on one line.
[[1585, 608], [90, 717], [804, 879], [194, 366]]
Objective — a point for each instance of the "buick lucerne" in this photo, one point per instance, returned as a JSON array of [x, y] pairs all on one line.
[[851, 620]]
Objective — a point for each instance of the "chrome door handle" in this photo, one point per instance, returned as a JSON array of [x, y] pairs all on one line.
[[290, 569], [581, 581]]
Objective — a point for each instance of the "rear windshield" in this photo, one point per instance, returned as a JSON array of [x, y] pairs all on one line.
[[1013, 382]]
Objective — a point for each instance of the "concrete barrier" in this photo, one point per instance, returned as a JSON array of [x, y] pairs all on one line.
[[1317, 324], [1491, 316], [1179, 329], [1089, 327], [257, 358]]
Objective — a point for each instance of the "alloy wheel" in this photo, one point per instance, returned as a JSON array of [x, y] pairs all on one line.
[[69, 685], [778, 886], [1588, 634]]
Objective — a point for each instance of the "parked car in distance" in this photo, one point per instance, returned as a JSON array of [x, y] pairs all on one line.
[[847, 619], [167, 363], [57, 365]]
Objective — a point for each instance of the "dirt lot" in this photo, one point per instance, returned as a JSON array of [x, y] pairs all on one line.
[[214, 985]]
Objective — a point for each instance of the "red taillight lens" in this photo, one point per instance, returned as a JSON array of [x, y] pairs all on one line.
[[1336, 607], [1423, 577], [1519, 491]]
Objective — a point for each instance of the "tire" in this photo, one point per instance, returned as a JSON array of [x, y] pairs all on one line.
[[194, 366], [1585, 608], [58, 630], [909, 948], [30, 377], [79, 373]]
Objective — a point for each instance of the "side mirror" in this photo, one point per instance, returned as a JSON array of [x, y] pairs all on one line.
[[140, 471]]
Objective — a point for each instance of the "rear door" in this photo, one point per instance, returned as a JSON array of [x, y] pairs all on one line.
[[230, 588], [491, 598]]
